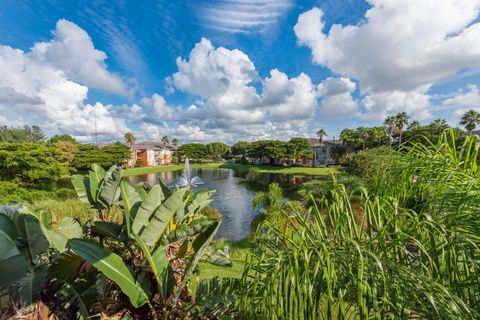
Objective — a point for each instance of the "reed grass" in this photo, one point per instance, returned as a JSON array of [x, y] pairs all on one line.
[[406, 249]]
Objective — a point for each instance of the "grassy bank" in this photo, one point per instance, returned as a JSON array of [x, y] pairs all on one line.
[[304, 171]]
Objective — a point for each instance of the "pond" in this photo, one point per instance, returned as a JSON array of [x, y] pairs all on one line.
[[234, 193]]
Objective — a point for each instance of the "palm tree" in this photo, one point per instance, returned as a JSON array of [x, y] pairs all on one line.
[[470, 120], [401, 120], [414, 125], [165, 140], [130, 140], [363, 134], [270, 204], [391, 127], [320, 134], [175, 143], [439, 125]]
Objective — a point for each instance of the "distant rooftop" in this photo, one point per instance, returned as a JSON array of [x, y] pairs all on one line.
[[315, 142], [154, 145]]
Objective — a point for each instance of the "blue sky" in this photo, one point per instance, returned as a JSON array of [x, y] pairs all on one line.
[[202, 70]]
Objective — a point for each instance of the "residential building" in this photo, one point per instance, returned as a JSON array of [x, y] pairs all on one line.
[[152, 153], [323, 153]]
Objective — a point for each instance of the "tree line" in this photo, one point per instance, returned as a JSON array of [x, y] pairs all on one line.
[[400, 128], [28, 159]]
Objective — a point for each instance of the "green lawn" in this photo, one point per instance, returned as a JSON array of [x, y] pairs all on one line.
[[255, 168]]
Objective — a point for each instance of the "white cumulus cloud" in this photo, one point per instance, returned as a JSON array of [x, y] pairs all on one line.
[[72, 51], [399, 50], [337, 97], [33, 91], [233, 95]]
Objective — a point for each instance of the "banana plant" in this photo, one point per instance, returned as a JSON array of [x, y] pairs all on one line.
[[99, 188], [25, 238], [139, 254]]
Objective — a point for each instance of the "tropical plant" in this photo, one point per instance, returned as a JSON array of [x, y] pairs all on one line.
[[391, 124], [130, 140], [438, 126], [414, 125], [165, 140], [320, 134], [162, 232], [401, 121], [270, 203], [99, 188], [470, 120], [175, 141], [26, 237], [410, 252]]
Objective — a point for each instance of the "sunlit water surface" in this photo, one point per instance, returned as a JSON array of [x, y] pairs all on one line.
[[233, 196]]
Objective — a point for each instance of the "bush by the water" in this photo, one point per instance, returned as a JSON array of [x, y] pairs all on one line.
[[368, 164]]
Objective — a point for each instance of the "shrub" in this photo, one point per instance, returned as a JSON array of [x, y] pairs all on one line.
[[369, 163]]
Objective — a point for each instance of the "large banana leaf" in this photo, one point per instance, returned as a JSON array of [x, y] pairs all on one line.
[[68, 228], [112, 266], [31, 230], [95, 176], [110, 229], [81, 184], [158, 261], [8, 226], [30, 286], [146, 209], [186, 230], [200, 200], [131, 202], [65, 266], [199, 245], [108, 192], [161, 218], [13, 264], [166, 192]]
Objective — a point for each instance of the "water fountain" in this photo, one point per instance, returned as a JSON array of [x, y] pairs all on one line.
[[185, 179]]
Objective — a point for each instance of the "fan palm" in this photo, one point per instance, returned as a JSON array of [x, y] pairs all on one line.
[[470, 120], [439, 125], [165, 140], [391, 127], [130, 140], [320, 134], [414, 125], [401, 120]]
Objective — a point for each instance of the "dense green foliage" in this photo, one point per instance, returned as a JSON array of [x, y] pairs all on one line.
[[62, 137], [273, 149], [139, 265], [114, 154], [199, 151], [24, 134], [30, 163], [363, 137], [409, 248], [368, 164]]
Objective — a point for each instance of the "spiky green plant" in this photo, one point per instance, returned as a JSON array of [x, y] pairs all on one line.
[[409, 251]]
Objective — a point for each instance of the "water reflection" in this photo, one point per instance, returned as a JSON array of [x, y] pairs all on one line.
[[233, 198]]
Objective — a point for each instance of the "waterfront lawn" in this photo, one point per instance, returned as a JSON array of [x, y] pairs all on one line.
[[301, 171]]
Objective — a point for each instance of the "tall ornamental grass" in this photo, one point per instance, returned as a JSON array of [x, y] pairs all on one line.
[[408, 250]]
